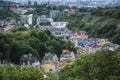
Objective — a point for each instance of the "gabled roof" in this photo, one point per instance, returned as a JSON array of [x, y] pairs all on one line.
[[28, 57], [49, 57], [80, 32], [47, 67], [66, 52]]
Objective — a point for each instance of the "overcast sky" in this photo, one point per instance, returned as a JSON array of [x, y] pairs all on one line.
[[53, 0], [41, 0]]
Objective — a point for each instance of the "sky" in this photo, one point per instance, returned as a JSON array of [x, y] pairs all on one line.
[[53, 0], [40, 0]]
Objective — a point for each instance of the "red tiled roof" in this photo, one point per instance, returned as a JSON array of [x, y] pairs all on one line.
[[94, 46], [65, 52], [80, 32]]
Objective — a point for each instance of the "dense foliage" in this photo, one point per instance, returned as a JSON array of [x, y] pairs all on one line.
[[15, 43], [11, 72], [103, 65], [74, 21], [17, 73], [97, 24], [5, 12], [44, 9], [109, 12]]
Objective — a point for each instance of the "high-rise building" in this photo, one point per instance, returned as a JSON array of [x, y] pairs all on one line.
[[79, 3]]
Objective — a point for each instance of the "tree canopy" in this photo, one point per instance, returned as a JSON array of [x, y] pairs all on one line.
[[101, 23], [103, 65], [15, 43], [18, 73]]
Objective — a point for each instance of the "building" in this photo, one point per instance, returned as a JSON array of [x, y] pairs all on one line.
[[27, 19], [28, 59], [47, 68], [49, 58], [59, 24], [110, 46], [67, 55], [69, 11], [43, 19], [20, 9], [81, 34], [55, 13], [44, 27], [7, 26]]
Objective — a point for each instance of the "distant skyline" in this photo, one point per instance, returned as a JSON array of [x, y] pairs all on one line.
[[51, 0], [56, 0], [94, 3], [41, 0]]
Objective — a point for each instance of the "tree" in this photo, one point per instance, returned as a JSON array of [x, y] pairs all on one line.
[[15, 43], [103, 65], [57, 48], [42, 50], [18, 73], [42, 36]]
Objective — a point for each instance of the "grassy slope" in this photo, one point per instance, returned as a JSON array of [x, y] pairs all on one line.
[[96, 26], [102, 27]]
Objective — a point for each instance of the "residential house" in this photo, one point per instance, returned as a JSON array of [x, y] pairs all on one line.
[[59, 24], [60, 31], [50, 58], [67, 55], [7, 26], [43, 19], [28, 59], [21, 10], [69, 11], [47, 68], [81, 34], [55, 13], [44, 27], [110, 46], [92, 48], [59, 28]]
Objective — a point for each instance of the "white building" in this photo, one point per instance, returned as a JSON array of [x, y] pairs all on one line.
[[27, 19], [59, 24], [43, 19]]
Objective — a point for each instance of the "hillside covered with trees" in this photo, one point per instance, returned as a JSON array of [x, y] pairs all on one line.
[[5, 12], [18, 73], [15, 43], [103, 65], [100, 23]]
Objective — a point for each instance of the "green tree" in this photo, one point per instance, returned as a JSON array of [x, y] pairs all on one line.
[[42, 36], [42, 50], [17, 73], [103, 65]]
